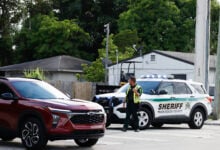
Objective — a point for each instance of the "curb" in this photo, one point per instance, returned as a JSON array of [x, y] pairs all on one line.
[[212, 123]]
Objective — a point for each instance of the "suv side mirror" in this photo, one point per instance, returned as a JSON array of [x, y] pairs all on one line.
[[163, 92], [7, 96]]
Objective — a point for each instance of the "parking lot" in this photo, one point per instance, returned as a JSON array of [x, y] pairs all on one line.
[[170, 137]]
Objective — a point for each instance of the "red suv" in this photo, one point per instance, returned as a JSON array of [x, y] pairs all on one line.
[[37, 112]]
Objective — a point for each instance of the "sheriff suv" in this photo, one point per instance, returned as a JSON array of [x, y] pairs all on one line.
[[37, 112], [164, 101]]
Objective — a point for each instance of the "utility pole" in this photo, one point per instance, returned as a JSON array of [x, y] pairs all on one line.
[[202, 42], [117, 70], [107, 30], [217, 80]]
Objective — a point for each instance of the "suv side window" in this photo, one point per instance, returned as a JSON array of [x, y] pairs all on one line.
[[199, 88], [5, 89], [181, 88], [167, 86]]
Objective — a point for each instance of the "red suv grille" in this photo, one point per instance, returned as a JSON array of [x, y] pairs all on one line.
[[88, 118]]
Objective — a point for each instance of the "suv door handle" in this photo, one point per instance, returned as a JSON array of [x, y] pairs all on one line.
[[192, 96], [172, 97]]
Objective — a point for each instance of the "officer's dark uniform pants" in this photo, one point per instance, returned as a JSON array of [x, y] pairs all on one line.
[[131, 110]]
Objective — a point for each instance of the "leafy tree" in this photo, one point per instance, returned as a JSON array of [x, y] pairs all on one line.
[[185, 39], [125, 51], [188, 20], [50, 37], [156, 22], [33, 8], [36, 7], [91, 15], [9, 16], [111, 50], [214, 26], [166, 24], [96, 71], [125, 39]]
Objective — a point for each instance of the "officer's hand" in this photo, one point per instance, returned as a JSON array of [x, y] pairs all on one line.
[[135, 90]]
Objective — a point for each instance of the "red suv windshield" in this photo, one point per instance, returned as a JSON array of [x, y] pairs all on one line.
[[37, 90]]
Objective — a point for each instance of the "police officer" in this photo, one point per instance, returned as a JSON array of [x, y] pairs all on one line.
[[132, 100]]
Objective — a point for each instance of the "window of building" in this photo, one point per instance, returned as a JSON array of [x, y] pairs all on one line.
[[152, 57], [180, 76]]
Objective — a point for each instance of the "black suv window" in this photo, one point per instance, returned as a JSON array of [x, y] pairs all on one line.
[[181, 88], [4, 89], [166, 86], [147, 86]]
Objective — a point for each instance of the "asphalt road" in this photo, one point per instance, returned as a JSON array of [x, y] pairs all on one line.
[[170, 137]]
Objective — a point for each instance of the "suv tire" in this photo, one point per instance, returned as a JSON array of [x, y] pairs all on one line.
[[86, 142], [145, 118], [157, 125], [33, 134], [197, 119]]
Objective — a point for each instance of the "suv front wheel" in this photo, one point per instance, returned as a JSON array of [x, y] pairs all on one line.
[[86, 142], [32, 134], [145, 118], [197, 119]]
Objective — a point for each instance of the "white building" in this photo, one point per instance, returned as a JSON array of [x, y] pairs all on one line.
[[178, 64]]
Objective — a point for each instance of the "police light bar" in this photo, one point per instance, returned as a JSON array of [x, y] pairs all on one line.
[[156, 76]]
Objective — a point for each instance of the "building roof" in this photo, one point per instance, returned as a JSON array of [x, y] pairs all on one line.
[[185, 57], [61, 63], [181, 56]]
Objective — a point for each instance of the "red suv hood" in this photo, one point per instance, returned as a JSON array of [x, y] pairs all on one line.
[[74, 104]]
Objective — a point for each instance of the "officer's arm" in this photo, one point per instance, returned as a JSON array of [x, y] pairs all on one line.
[[125, 100], [140, 91]]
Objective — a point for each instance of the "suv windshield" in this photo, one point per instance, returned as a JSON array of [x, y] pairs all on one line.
[[147, 86], [37, 90]]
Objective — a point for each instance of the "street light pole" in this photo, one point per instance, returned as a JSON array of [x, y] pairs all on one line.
[[107, 29]]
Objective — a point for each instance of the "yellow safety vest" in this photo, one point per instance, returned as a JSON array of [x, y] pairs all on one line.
[[136, 98]]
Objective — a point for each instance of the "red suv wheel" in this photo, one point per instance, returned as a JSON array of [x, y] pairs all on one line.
[[32, 134]]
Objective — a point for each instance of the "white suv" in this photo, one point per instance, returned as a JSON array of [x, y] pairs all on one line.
[[164, 101]]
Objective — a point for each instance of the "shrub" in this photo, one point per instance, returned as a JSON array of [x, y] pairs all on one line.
[[36, 74]]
